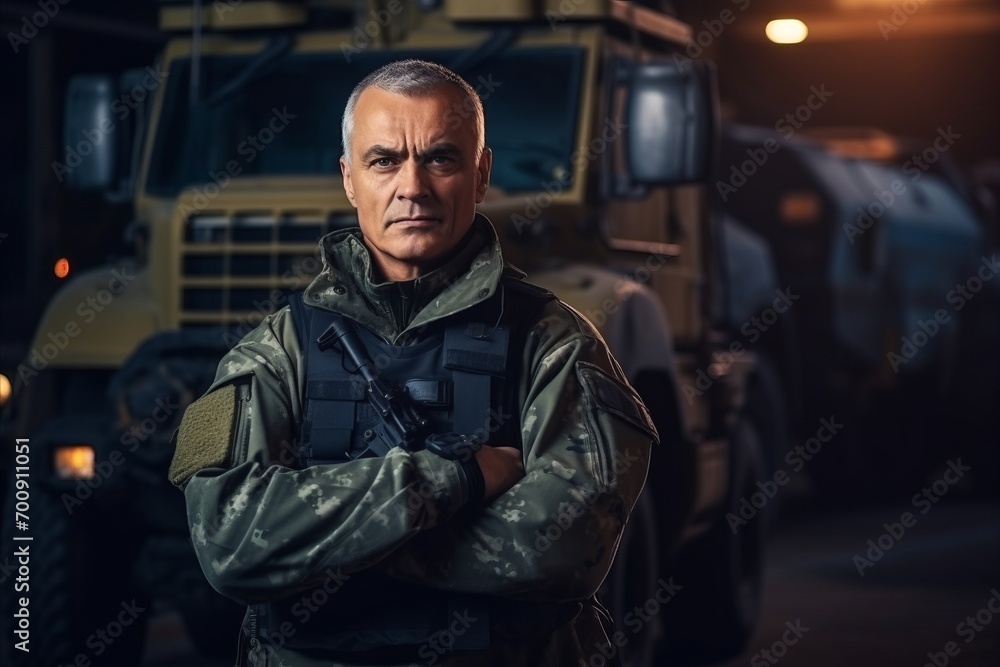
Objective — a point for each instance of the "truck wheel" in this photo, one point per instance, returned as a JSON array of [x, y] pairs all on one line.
[[632, 580], [151, 391], [79, 585], [714, 614]]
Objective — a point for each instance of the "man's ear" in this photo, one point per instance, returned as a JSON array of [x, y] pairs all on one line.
[[345, 170], [483, 170]]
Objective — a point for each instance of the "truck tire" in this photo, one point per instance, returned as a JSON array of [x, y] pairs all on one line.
[[162, 377], [79, 563], [631, 581], [714, 614]]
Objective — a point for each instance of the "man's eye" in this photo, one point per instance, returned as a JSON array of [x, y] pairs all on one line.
[[382, 162], [440, 159]]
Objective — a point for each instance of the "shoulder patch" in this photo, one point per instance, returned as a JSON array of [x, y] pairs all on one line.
[[614, 397], [205, 436]]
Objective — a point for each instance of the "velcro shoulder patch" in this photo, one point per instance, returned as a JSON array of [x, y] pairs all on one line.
[[613, 397], [205, 436]]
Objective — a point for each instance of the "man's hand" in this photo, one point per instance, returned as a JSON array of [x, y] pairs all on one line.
[[502, 468]]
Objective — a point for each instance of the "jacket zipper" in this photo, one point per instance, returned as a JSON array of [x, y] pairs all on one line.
[[242, 419], [404, 306]]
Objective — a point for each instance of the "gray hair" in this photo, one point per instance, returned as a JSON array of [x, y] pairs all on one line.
[[414, 78]]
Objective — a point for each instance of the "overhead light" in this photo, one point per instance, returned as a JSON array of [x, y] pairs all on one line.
[[62, 267], [786, 31]]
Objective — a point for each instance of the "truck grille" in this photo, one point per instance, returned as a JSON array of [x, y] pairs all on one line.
[[236, 268]]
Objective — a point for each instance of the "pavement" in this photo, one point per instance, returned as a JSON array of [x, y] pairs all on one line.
[[831, 597]]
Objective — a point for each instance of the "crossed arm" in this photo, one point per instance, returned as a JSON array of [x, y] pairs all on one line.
[[548, 529]]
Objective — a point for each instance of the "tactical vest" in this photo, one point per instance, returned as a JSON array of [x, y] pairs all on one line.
[[456, 376], [463, 376]]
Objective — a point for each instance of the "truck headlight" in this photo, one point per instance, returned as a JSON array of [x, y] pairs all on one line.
[[74, 462]]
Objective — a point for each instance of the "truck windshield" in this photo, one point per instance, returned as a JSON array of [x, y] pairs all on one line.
[[285, 121]]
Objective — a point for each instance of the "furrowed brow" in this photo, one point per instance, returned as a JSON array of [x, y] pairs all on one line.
[[441, 150], [379, 151]]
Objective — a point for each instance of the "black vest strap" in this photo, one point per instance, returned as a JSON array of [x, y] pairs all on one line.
[[475, 357]]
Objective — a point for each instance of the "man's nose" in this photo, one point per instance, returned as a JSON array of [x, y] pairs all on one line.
[[412, 183]]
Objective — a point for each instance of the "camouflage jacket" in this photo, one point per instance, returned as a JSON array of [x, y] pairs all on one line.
[[264, 530]]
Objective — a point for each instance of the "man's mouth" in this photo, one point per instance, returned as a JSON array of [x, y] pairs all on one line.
[[415, 220]]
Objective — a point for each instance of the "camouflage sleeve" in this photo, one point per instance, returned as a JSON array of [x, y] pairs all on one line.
[[263, 529], [586, 439]]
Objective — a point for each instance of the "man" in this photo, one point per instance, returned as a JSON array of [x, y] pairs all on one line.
[[352, 551]]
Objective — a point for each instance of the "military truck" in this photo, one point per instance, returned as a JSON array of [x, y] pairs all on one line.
[[604, 136], [878, 237]]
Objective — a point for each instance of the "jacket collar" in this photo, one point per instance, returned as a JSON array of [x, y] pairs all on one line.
[[346, 283]]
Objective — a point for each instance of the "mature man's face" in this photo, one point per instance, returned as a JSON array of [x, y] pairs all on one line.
[[414, 177]]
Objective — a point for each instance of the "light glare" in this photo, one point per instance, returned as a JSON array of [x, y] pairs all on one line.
[[786, 31]]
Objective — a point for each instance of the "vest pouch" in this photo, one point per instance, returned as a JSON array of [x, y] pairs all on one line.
[[432, 393], [331, 415]]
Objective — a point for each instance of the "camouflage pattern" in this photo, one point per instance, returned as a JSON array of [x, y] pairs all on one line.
[[265, 530]]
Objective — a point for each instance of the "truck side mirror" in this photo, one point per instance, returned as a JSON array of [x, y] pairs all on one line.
[[89, 133], [672, 111]]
